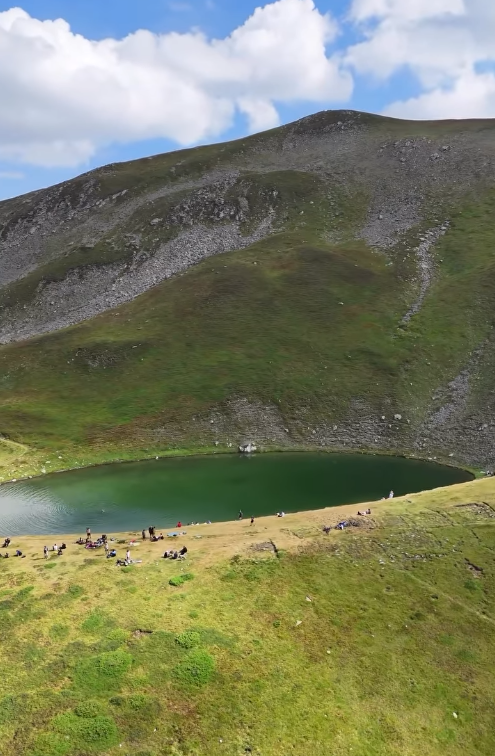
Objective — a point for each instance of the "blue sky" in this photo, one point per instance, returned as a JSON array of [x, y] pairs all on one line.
[[71, 103]]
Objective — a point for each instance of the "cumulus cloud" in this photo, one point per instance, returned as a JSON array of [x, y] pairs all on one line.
[[64, 96], [442, 43], [471, 96]]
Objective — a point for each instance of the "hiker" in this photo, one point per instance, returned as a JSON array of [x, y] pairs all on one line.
[[241, 516], [143, 534], [179, 524], [391, 495], [252, 520], [45, 552]]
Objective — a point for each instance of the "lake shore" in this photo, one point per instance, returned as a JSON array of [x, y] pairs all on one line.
[[222, 540]]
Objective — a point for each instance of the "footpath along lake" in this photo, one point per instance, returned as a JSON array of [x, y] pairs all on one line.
[[123, 497]]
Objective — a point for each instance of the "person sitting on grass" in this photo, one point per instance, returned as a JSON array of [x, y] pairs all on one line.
[[60, 552], [18, 553], [6, 543], [80, 541], [183, 552], [111, 554], [6, 555]]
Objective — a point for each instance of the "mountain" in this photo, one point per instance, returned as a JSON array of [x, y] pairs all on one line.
[[326, 284]]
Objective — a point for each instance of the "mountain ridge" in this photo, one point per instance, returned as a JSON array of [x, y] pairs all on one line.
[[301, 287]]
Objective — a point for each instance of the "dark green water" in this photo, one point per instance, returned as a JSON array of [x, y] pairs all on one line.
[[196, 489]]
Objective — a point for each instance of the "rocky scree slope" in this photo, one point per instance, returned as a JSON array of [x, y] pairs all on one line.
[[367, 323]]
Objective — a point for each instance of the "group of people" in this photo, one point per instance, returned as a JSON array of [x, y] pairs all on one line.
[[6, 544], [58, 549], [176, 554]]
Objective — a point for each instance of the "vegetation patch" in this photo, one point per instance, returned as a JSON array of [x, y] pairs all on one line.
[[181, 579], [196, 669]]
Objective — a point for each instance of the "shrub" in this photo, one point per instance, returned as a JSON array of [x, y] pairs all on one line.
[[103, 672], [97, 731], [180, 579], [196, 669], [87, 709], [189, 639]]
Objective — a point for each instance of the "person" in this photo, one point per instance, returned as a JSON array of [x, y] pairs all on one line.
[[111, 554], [6, 555], [252, 520], [63, 546], [18, 553], [150, 530], [54, 547], [391, 495], [88, 532], [143, 534], [60, 552], [368, 511], [127, 556], [80, 541], [106, 548], [183, 552], [241, 516], [45, 551], [281, 514], [176, 555], [6, 543], [179, 524], [326, 529]]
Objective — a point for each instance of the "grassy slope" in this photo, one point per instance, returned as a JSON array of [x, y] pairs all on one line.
[[265, 323], [398, 636]]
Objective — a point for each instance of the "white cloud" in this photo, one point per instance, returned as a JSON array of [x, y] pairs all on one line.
[[472, 96], [441, 42], [63, 96], [11, 175]]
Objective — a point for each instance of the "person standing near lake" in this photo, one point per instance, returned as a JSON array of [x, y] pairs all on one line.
[[127, 556], [106, 547], [252, 520], [45, 552], [241, 516], [143, 534]]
